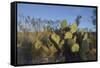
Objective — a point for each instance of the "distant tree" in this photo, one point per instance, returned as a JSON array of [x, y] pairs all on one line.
[[78, 19]]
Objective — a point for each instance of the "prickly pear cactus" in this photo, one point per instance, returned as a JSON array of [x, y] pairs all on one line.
[[38, 44], [73, 28], [68, 35], [75, 47], [63, 24], [55, 37], [84, 47]]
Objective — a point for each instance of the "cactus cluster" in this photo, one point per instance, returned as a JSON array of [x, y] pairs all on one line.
[[63, 45]]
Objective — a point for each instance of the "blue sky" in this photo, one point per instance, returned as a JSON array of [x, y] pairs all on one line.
[[58, 13]]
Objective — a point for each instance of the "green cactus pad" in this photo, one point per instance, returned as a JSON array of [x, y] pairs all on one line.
[[73, 28], [68, 35], [55, 37], [75, 47], [63, 24], [38, 44]]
